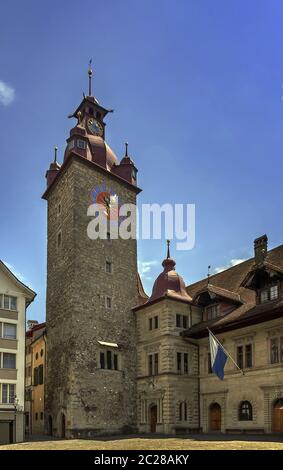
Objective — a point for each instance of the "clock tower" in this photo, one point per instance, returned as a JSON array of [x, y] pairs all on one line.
[[91, 287]]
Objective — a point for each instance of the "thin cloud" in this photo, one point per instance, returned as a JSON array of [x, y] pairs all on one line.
[[17, 273], [232, 262], [7, 94], [145, 268]]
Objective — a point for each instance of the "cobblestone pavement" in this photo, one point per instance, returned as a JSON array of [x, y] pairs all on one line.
[[193, 442]]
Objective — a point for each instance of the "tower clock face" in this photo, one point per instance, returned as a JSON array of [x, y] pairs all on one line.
[[95, 127]]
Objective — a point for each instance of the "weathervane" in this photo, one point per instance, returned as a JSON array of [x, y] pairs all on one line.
[[126, 149], [208, 273], [89, 77], [55, 154]]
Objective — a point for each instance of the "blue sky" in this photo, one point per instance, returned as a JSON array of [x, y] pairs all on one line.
[[197, 91]]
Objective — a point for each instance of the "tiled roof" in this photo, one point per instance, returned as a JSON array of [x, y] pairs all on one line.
[[231, 280]]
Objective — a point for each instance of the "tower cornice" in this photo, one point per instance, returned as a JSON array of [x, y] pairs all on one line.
[[74, 156]]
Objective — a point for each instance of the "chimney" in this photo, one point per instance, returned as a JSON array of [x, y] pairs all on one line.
[[260, 248], [31, 324]]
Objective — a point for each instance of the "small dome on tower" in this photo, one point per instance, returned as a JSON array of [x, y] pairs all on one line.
[[53, 169], [169, 283]]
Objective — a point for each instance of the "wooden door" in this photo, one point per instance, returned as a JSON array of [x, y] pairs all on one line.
[[153, 418], [277, 422], [215, 417]]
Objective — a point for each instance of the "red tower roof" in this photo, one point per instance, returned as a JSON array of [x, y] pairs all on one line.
[[169, 283]]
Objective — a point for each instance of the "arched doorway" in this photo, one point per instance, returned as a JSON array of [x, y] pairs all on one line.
[[50, 426], [277, 418], [153, 418], [63, 425], [215, 417]]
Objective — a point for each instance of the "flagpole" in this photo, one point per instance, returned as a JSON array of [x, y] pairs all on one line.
[[226, 352]]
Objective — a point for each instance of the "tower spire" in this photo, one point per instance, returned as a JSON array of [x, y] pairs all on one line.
[[126, 149], [168, 249], [55, 154], [89, 77]]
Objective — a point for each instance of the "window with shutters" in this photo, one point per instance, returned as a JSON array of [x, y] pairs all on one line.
[[40, 374], [35, 376]]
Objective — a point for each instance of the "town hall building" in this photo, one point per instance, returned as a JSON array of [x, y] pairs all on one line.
[[119, 361]]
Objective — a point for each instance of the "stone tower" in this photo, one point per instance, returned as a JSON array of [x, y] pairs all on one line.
[[91, 287]]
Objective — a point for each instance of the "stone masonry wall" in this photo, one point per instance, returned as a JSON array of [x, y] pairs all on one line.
[[94, 401]]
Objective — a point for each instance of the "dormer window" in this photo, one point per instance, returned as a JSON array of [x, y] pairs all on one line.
[[81, 144], [269, 293], [212, 311]]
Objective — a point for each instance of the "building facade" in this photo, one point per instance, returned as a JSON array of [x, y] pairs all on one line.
[[14, 299], [119, 361], [243, 306], [36, 359]]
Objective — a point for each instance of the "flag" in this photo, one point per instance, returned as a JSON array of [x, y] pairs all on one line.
[[218, 356]]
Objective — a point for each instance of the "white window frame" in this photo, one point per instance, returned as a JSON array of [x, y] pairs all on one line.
[[2, 360], [8, 393], [2, 302], [2, 330]]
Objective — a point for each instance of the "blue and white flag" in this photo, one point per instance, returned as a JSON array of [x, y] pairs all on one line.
[[218, 356]]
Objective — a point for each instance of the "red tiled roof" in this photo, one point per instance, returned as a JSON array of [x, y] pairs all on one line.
[[231, 280], [37, 327]]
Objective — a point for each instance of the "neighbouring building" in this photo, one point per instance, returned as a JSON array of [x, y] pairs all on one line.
[[35, 377], [243, 306], [15, 297], [119, 361]]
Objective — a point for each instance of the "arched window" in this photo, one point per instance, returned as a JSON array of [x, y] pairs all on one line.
[[245, 411]]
